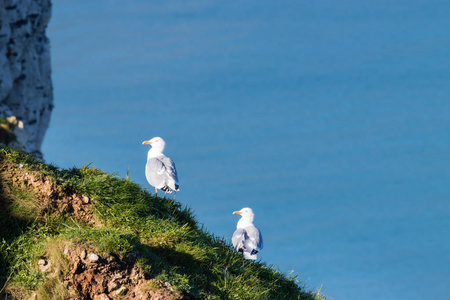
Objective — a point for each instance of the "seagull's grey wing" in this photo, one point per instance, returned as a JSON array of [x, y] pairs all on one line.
[[171, 172], [254, 238], [154, 172], [238, 239]]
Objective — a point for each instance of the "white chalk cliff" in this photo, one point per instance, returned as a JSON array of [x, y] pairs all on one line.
[[26, 92]]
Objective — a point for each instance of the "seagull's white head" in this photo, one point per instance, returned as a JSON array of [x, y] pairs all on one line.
[[157, 144], [246, 214]]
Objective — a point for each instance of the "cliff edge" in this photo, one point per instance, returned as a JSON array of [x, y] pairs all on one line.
[[26, 92], [86, 234]]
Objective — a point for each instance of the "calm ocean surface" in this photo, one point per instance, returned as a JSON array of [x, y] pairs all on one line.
[[330, 119]]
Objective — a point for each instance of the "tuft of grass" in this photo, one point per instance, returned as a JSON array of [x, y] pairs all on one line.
[[164, 235], [106, 240], [17, 260], [23, 204], [53, 287]]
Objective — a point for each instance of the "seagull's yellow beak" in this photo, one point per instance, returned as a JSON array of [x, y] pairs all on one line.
[[236, 213], [146, 143]]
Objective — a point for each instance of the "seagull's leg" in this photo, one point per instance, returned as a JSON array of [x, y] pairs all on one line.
[[165, 194], [156, 192]]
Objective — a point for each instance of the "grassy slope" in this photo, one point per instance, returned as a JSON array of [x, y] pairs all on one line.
[[170, 245]]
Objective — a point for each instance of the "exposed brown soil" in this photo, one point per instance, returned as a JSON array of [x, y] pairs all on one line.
[[52, 198], [93, 277]]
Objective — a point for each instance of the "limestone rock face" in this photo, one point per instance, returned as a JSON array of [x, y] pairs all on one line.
[[26, 91]]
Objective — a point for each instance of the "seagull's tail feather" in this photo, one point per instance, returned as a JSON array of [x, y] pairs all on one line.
[[249, 255], [166, 189], [254, 251]]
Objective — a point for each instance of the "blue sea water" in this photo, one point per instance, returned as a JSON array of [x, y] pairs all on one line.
[[330, 119]]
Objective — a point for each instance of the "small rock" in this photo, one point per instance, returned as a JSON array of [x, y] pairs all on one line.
[[94, 257], [83, 254], [86, 199], [43, 265], [101, 297], [112, 286], [66, 251], [118, 276], [121, 291], [20, 166]]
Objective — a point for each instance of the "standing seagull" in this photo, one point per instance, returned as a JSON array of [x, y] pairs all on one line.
[[160, 170], [247, 238]]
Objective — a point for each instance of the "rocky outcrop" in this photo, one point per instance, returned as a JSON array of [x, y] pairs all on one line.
[[26, 93]]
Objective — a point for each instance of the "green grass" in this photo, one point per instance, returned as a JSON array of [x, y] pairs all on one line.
[[168, 242]]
